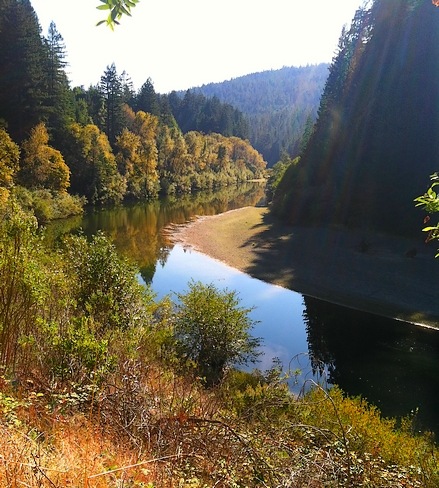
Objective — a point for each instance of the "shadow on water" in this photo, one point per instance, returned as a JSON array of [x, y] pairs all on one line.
[[393, 365]]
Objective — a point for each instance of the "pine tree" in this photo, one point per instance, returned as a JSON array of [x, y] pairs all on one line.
[[110, 89], [23, 81], [61, 100], [147, 99]]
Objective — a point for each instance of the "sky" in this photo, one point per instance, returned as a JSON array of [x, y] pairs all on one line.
[[180, 44]]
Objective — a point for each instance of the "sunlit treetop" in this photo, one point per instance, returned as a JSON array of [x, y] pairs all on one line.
[[117, 8]]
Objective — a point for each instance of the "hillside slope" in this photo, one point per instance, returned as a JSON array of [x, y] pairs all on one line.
[[280, 105]]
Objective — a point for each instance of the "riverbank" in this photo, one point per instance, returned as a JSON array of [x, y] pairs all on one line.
[[370, 272]]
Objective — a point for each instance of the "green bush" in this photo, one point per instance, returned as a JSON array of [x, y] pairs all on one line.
[[213, 330], [106, 286]]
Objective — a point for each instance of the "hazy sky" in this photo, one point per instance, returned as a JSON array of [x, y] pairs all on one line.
[[180, 44]]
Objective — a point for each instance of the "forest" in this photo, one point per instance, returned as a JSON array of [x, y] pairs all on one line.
[[65, 146], [280, 106], [366, 171], [102, 384]]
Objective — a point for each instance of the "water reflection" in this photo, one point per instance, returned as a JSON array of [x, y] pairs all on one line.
[[392, 364], [277, 311], [137, 230]]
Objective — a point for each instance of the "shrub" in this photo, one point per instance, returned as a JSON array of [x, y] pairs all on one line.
[[213, 331], [106, 287]]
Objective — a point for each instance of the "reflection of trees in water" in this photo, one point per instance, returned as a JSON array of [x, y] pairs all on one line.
[[319, 353], [392, 364], [345, 340], [163, 255], [137, 229], [147, 273]]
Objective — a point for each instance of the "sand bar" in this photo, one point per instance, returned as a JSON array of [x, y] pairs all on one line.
[[369, 272]]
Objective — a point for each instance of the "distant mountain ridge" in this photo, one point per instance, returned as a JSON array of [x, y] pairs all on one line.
[[279, 104], [272, 90]]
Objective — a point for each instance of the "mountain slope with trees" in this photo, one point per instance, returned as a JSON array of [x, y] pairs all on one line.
[[375, 142], [280, 105]]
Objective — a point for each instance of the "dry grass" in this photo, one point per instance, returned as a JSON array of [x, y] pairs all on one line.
[[161, 430]]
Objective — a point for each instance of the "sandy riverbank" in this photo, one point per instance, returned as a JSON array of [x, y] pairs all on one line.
[[356, 269]]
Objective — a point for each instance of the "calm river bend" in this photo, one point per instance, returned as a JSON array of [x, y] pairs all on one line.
[[392, 364]]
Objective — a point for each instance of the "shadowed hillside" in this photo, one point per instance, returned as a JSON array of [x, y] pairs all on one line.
[[375, 142]]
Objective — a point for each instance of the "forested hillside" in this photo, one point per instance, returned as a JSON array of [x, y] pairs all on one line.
[[280, 105], [107, 143], [375, 142]]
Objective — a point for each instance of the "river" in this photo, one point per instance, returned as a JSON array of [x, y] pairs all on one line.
[[394, 365]]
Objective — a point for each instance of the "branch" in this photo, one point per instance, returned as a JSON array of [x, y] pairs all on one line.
[[117, 9]]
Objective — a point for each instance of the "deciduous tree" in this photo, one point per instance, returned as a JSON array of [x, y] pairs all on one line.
[[94, 171], [9, 159], [43, 166]]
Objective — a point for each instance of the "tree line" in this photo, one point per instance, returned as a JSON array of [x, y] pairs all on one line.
[[107, 143], [280, 106]]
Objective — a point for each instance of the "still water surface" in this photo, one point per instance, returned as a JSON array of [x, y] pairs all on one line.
[[393, 364]]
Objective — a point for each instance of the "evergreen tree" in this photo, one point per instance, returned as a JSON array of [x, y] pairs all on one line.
[[147, 100], [376, 135], [110, 89], [127, 88], [23, 80], [61, 100]]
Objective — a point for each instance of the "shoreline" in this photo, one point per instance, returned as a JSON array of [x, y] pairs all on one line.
[[365, 271]]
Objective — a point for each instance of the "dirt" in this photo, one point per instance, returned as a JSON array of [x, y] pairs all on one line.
[[379, 273]]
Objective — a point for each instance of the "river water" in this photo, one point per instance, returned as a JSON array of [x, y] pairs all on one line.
[[394, 365]]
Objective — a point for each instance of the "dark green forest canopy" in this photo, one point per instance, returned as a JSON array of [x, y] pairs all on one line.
[[280, 106], [375, 142]]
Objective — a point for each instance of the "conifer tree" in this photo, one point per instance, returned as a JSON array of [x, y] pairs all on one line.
[[147, 99], [110, 89], [61, 100], [23, 81]]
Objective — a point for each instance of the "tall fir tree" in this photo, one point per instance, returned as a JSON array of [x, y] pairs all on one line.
[[110, 88], [61, 99], [23, 80], [147, 99]]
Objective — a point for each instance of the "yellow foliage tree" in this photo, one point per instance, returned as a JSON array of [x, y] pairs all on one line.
[[43, 166], [9, 159], [137, 156], [9, 165], [94, 169]]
